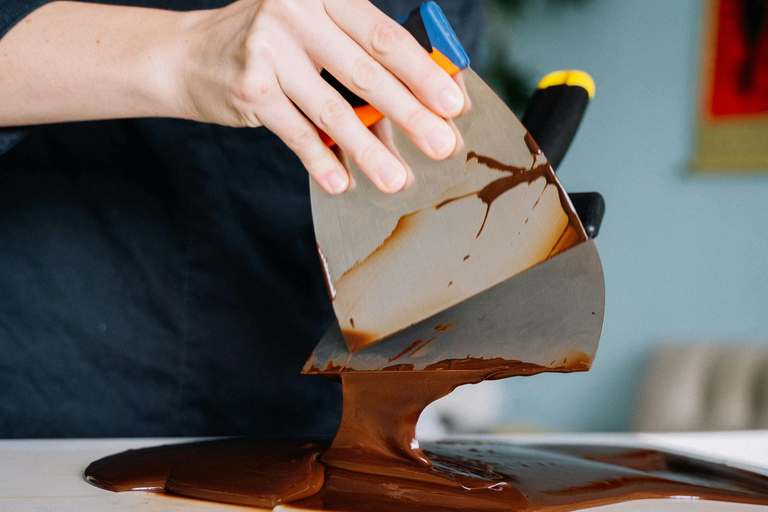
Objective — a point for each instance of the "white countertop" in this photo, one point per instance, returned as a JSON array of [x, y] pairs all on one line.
[[47, 475]]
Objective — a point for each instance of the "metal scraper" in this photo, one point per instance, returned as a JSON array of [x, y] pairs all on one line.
[[548, 318], [456, 245]]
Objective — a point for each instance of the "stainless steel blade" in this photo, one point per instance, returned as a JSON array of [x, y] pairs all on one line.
[[549, 316], [395, 260]]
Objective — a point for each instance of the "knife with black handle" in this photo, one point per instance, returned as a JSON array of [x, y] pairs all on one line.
[[552, 117]]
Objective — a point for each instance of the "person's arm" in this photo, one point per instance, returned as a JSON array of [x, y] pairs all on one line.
[[251, 63]]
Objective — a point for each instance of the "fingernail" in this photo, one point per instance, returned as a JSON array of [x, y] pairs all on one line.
[[452, 100], [392, 177], [336, 182], [442, 140]]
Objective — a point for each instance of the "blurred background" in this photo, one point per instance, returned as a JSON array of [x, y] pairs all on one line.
[[685, 253]]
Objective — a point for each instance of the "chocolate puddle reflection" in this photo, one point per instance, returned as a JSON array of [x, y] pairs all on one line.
[[375, 464]]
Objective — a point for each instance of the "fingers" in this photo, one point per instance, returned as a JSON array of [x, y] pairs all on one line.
[[391, 45], [459, 79], [383, 131], [327, 109], [375, 58], [459, 138], [367, 78], [278, 114]]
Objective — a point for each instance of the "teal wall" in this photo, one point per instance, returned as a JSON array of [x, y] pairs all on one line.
[[685, 257]]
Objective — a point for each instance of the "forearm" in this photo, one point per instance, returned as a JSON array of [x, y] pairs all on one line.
[[70, 61], [251, 63]]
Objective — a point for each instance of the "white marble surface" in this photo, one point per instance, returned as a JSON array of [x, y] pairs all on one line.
[[46, 475]]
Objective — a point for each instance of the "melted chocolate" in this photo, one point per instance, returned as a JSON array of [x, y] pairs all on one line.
[[419, 345], [518, 175], [533, 147], [488, 194], [407, 349], [357, 339], [375, 463], [504, 368], [237, 471], [327, 274]]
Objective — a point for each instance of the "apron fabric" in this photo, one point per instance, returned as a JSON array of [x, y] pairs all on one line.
[[160, 277]]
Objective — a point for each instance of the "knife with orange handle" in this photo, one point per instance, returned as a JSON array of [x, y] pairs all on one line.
[[429, 26]]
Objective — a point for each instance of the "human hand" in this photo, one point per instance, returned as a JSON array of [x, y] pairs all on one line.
[[258, 62]]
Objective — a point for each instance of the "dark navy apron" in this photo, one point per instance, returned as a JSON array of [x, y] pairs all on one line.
[[159, 277]]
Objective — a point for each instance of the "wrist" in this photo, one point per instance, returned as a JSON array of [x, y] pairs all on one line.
[[161, 61]]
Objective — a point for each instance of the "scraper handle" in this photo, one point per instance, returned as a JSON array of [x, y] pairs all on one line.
[[428, 24], [555, 110]]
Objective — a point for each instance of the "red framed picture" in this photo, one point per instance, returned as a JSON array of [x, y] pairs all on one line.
[[733, 118]]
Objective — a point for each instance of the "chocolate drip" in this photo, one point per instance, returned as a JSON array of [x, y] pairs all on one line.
[[357, 338], [518, 175], [326, 273], [406, 350], [499, 368], [572, 234], [419, 345], [533, 147], [376, 464]]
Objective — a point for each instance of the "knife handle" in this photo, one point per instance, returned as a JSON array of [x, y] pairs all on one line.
[[555, 111], [552, 117], [590, 207], [429, 26]]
